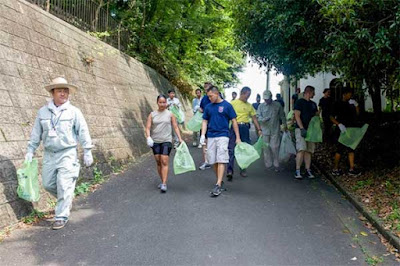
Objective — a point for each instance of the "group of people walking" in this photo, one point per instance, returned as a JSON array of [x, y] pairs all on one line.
[[61, 126], [227, 124]]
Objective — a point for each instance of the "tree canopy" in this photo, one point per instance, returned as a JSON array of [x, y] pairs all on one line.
[[188, 41], [357, 39]]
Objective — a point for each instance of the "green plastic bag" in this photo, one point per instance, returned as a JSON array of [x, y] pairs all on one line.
[[194, 123], [28, 181], [178, 113], [352, 136], [260, 145], [314, 131], [286, 148], [183, 161], [290, 115], [245, 155]]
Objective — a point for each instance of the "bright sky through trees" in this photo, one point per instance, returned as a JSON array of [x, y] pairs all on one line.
[[255, 77]]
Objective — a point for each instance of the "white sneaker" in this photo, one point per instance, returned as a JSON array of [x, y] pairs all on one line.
[[194, 144], [163, 188], [205, 166], [200, 146]]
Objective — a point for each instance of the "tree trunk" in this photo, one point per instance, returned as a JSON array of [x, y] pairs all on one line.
[[374, 91]]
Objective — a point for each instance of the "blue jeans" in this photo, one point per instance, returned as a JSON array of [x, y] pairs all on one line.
[[244, 132]]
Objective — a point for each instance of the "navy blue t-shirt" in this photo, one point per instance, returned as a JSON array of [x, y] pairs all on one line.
[[205, 101], [218, 116]]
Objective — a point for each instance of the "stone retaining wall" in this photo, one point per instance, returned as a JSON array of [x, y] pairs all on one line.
[[116, 92]]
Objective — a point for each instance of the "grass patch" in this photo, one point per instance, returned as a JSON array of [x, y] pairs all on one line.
[[374, 260], [362, 184], [33, 217]]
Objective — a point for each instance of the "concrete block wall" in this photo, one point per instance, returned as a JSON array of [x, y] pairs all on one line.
[[116, 92]]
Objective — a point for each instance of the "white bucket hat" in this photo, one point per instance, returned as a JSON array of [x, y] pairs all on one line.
[[59, 83]]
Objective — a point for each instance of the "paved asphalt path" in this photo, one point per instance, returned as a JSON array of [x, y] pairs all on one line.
[[265, 219]]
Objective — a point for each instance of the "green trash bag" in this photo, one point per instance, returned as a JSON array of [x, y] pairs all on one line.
[[245, 155], [286, 148], [28, 181], [290, 115], [260, 145], [194, 123], [353, 135], [178, 113], [314, 131], [183, 161]]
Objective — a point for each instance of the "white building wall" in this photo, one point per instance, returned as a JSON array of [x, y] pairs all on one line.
[[320, 82]]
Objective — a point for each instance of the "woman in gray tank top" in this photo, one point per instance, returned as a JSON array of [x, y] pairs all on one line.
[[159, 138]]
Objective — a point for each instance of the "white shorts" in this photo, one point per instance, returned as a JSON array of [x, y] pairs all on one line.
[[302, 144], [217, 150]]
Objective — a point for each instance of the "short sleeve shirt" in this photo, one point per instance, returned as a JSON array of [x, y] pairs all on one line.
[[325, 104], [345, 113], [204, 102], [161, 128], [218, 116], [307, 111], [244, 111]]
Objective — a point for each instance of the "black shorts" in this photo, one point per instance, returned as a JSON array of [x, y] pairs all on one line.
[[162, 148]]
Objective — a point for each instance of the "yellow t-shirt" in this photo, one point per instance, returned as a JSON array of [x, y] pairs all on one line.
[[244, 111]]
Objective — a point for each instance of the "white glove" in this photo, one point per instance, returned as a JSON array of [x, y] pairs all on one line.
[[87, 157], [150, 142], [342, 128], [203, 140], [28, 157], [353, 102]]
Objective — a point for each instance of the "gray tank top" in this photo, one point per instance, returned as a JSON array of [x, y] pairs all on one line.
[[161, 128]]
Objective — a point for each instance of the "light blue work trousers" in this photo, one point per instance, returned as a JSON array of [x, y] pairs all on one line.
[[59, 175]]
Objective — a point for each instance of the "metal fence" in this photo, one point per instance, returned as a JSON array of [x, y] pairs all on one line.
[[88, 16]]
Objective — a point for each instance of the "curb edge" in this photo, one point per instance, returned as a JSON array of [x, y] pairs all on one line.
[[393, 240]]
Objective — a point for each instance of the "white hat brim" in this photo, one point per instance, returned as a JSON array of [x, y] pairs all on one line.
[[72, 88]]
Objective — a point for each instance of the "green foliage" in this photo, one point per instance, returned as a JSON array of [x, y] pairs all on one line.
[[362, 184], [285, 34], [98, 177], [99, 35], [188, 41], [82, 188], [34, 216], [374, 260], [357, 39]]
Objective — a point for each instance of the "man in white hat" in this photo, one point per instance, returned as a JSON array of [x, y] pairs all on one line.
[[270, 114], [60, 126]]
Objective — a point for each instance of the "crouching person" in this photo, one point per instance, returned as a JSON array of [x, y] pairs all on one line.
[[60, 126]]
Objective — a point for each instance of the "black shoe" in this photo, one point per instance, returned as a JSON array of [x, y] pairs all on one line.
[[354, 172], [336, 172], [58, 224], [243, 173], [229, 176], [222, 187], [309, 174], [216, 191]]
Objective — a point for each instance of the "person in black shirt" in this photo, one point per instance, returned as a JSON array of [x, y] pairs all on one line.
[[257, 103], [295, 97], [324, 105], [344, 114], [280, 100], [304, 110]]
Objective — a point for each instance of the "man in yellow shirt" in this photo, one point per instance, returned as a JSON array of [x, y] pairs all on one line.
[[244, 111]]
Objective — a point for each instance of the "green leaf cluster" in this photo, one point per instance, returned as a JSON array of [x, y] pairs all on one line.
[[359, 39], [188, 41]]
